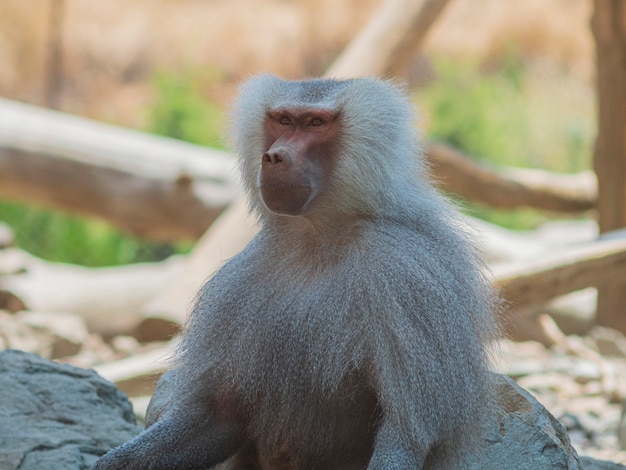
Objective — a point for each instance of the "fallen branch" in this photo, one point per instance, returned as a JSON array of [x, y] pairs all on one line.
[[137, 375], [508, 188], [536, 282], [150, 186], [109, 299]]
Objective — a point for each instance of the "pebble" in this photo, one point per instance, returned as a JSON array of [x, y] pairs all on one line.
[[570, 387]]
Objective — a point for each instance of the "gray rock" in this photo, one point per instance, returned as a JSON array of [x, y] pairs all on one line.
[[589, 463], [6, 236], [524, 436], [56, 416]]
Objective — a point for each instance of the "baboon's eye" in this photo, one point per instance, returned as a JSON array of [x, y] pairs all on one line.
[[284, 121], [317, 121]]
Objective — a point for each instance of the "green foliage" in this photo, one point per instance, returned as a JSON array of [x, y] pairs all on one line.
[[509, 118], [57, 236], [518, 219], [180, 111], [482, 114]]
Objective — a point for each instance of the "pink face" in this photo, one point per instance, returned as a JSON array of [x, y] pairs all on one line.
[[302, 146]]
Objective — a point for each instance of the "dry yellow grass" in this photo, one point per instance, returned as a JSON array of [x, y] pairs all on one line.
[[544, 30], [112, 48]]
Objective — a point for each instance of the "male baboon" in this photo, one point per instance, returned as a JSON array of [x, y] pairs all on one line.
[[352, 331]]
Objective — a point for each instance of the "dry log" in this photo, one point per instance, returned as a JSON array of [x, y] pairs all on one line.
[[231, 232], [150, 186], [502, 246], [137, 375], [387, 43], [509, 188], [109, 299], [165, 189], [534, 283]]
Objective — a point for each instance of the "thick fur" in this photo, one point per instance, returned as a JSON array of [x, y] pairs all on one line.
[[355, 336]]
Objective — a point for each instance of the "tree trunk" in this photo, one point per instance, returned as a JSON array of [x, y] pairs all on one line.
[[387, 43], [534, 283], [609, 29]]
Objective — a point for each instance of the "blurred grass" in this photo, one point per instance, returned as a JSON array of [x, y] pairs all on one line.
[[57, 236], [180, 110], [508, 115]]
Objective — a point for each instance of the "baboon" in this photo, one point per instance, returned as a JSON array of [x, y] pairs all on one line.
[[353, 332]]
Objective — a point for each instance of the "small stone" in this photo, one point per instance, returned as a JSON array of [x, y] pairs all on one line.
[[125, 344], [609, 341], [574, 313], [68, 331], [17, 335], [94, 351], [551, 382]]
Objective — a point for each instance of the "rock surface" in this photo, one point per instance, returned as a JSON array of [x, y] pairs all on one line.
[[526, 436], [59, 416], [56, 416], [589, 463], [584, 393]]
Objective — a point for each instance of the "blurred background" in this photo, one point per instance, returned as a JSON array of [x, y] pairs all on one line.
[[106, 231], [510, 82]]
